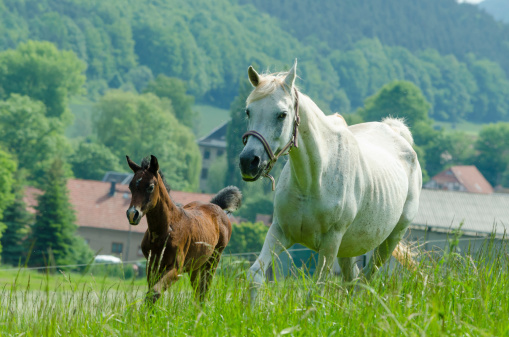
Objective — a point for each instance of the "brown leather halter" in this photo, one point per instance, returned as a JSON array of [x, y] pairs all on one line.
[[293, 142]]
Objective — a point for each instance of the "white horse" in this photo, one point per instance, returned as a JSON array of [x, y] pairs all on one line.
[[344, 190]]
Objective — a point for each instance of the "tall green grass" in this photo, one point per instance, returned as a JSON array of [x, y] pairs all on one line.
[[447, 295]]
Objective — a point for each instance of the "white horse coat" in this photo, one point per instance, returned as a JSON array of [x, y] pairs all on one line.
[[343, 192]]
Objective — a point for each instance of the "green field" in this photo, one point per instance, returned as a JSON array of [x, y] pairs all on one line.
[[210, 118], [447, 295], [468, 127]]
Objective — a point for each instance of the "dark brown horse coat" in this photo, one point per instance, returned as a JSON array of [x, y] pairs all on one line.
[[187, 239]]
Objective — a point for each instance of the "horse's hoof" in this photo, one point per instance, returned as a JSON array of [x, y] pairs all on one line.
[[152, 297]]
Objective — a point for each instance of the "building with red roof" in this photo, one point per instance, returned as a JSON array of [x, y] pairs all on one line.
[[101, 215], [460, 178]]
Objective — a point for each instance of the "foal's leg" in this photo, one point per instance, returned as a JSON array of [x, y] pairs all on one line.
[[162, 284], [275, 243], [207, 273], [384, 251]]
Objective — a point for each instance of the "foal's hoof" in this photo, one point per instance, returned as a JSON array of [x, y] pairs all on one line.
[[152, 297]]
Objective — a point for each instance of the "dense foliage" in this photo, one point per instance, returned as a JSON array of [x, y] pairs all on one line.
[[247, 237], [17, 220], [416, 25], [42, 72], [347, 49], [140, 125]]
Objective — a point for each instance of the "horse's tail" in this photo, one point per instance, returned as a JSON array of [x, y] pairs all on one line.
[[398, 125], [229, 199], [405, 255]]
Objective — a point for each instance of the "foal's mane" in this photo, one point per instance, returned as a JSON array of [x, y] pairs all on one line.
[[145, 163], [268, 83]]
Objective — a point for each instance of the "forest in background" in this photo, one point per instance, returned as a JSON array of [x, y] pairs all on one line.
[[456, 54]]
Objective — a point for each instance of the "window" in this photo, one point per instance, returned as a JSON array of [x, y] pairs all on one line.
[[206, 154], [204, 173], [220, 153], [117, 248]]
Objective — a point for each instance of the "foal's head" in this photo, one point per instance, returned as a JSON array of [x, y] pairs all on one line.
[[145, 189], [271, 113]]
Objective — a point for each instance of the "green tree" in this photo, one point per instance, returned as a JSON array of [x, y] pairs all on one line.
[[34, 139], [400, 99], [254, 205], [93, 160], [247, 237], [53, 236], [39, 70], [17, 221], [140, 125], [175, 90], [491, 103], [493, 152], [7, 170]]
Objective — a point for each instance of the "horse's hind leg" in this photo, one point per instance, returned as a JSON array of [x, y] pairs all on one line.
[[384, 251], [207, 273]]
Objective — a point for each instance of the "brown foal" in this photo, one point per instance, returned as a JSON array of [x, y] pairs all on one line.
[[188, 239]]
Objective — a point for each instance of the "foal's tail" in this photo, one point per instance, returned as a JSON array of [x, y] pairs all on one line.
[[398, 125], [405, 255], [229, 199]]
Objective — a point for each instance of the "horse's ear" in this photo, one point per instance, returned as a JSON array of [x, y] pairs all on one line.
[[290, 78], [254, 78], [133, 165], [154, 165]]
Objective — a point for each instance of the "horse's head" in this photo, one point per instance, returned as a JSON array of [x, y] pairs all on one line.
[[272, 112], [144, 189]]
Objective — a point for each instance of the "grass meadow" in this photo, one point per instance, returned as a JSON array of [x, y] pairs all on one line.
[[447, 295]]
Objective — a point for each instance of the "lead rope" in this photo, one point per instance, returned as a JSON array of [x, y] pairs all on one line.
[[292, 143]]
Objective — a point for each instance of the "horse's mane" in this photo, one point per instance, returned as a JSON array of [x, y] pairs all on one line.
[[267, 85], [145, 163]]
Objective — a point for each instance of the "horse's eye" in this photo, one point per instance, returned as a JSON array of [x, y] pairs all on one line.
[[150, 189], [247, 112], [282, 115]]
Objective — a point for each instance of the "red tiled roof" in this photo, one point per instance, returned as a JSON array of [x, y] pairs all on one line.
[[468, 176], [96, 208]]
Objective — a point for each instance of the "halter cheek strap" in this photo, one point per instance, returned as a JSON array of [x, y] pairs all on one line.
[[293, 142]]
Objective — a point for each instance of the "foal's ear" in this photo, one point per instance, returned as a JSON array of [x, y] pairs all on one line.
[[154, 165], [133, 165], [254, 78], [290, 78]]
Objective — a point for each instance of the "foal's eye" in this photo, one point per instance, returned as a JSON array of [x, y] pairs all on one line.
[[150, 189], [247, 112], [282, 115]]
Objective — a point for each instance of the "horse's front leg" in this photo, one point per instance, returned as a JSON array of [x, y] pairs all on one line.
[[275, 243], [329, 246], [161, 285]]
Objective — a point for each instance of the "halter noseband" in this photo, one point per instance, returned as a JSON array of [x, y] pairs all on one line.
[[291, 143]]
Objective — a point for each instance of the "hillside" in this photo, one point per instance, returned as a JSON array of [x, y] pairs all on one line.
[[347, 50], [444, 25], [498, 8]]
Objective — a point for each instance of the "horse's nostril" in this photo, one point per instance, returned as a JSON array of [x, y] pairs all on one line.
[[136, 215], [255, 162]]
